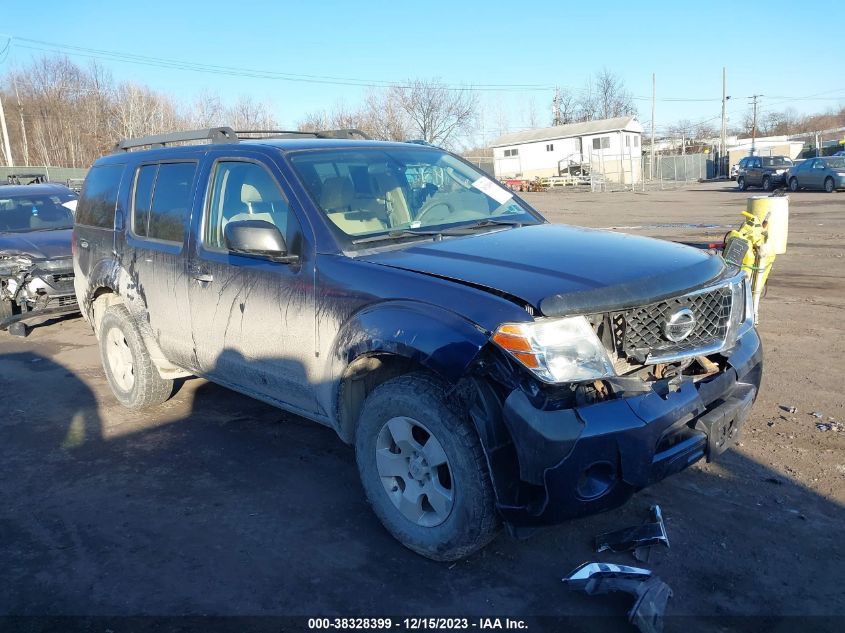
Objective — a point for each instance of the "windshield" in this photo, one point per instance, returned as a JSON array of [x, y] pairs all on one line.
[[375, 191], [835, 163], [776, 161], [23, 213]]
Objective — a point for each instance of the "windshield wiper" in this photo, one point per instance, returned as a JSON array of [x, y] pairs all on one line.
[[464, 229], [492, 222], [397, 234]]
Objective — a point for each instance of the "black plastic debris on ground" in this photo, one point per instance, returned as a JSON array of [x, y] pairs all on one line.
[[650, 593]]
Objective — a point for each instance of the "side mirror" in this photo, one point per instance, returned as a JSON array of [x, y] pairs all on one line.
[[259, 238]]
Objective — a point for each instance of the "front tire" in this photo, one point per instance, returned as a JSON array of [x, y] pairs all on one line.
[[132, 376], [767, 184], [793, 184], [740, 183], [423, 469], [829, 185]]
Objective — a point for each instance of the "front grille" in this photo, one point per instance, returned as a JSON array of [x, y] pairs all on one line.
[[639, 332], [62, 277]]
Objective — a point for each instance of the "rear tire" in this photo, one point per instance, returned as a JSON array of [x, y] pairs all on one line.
[[132, 376], [423, 469], [767, 184], [793, 184], [740, 183], [829, 185]]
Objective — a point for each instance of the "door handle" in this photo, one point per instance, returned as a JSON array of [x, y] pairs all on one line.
[[83, 243], [200, 273]]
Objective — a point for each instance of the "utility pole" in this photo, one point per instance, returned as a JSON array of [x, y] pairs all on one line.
[[754, 99], [556, 108], [723, 138], [23, 125], [653, 99], [7, 148]]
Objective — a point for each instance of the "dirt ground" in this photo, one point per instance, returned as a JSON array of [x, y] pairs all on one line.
[[216, 504]]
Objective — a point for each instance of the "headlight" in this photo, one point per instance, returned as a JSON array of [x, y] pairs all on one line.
[[12, 264], [556, 350]]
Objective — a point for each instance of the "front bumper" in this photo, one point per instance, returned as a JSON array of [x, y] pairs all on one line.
[[44, 290], [593, 458]]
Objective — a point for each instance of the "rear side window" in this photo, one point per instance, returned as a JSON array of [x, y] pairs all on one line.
[[162, 200], [99, 196]]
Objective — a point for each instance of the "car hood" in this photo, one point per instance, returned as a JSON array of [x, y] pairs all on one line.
[[562, 270], [39, 245]]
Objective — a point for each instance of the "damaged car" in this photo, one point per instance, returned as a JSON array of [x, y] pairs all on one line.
[[36, 268], [488, 367]]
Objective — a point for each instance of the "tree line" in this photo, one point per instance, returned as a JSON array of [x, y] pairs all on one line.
[[61, 114]]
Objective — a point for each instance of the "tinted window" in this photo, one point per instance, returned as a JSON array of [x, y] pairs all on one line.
[[144, 179], [776, 161], [246, 191], [99, 196], [162, 200]]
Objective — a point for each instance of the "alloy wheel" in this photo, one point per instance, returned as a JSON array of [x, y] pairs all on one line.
[[120, 359], [415, 471]]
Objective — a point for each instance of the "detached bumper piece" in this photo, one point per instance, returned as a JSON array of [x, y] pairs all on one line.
[[592, 458], [638, 538], [651, 594]]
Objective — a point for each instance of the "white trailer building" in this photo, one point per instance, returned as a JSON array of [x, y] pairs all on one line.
[[611, 148]]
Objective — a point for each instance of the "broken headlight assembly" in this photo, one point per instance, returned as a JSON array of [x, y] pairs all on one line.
[[556, 350], [13, 264]]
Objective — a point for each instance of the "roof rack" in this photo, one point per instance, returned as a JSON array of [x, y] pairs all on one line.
[[347, 133], [214, 134], [228, 135]]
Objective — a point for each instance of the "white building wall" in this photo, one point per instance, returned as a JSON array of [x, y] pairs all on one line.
[[536, 160]]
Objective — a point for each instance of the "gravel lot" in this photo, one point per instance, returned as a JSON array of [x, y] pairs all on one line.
[[214, 503]]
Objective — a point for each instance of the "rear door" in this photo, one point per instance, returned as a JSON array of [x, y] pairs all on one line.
[[161, 198], [253, 319], [93, 231], [755, 172]]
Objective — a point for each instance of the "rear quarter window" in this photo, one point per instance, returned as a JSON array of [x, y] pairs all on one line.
[[99, 196], [162, 200]]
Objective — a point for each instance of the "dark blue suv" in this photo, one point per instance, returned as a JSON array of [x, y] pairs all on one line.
[[487, 366]]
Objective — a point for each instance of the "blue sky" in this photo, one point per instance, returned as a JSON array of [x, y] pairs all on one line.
[[787, 51]]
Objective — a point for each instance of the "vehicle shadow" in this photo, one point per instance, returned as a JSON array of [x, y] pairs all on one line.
[[216, 504]]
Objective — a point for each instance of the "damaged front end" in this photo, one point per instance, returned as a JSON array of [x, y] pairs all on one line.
[[33, 288], [564, 449]]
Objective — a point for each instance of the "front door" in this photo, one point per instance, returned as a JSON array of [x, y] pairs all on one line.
[[253, 319], [816, 174]]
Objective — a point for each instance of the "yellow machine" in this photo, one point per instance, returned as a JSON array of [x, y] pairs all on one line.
[[760, 238]]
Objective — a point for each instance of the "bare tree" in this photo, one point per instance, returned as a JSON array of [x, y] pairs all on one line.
[[568, 104], [207, 110], [248, 114], [437, 114], [384, 117], [604, 96]]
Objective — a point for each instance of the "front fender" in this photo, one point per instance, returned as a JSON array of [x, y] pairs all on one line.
[[438, 339]]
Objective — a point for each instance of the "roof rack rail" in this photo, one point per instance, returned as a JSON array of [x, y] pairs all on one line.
[[346, 133], [228, 135], [214, 134]]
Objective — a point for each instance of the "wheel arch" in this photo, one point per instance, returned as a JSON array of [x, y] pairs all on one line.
[[394, 338]]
